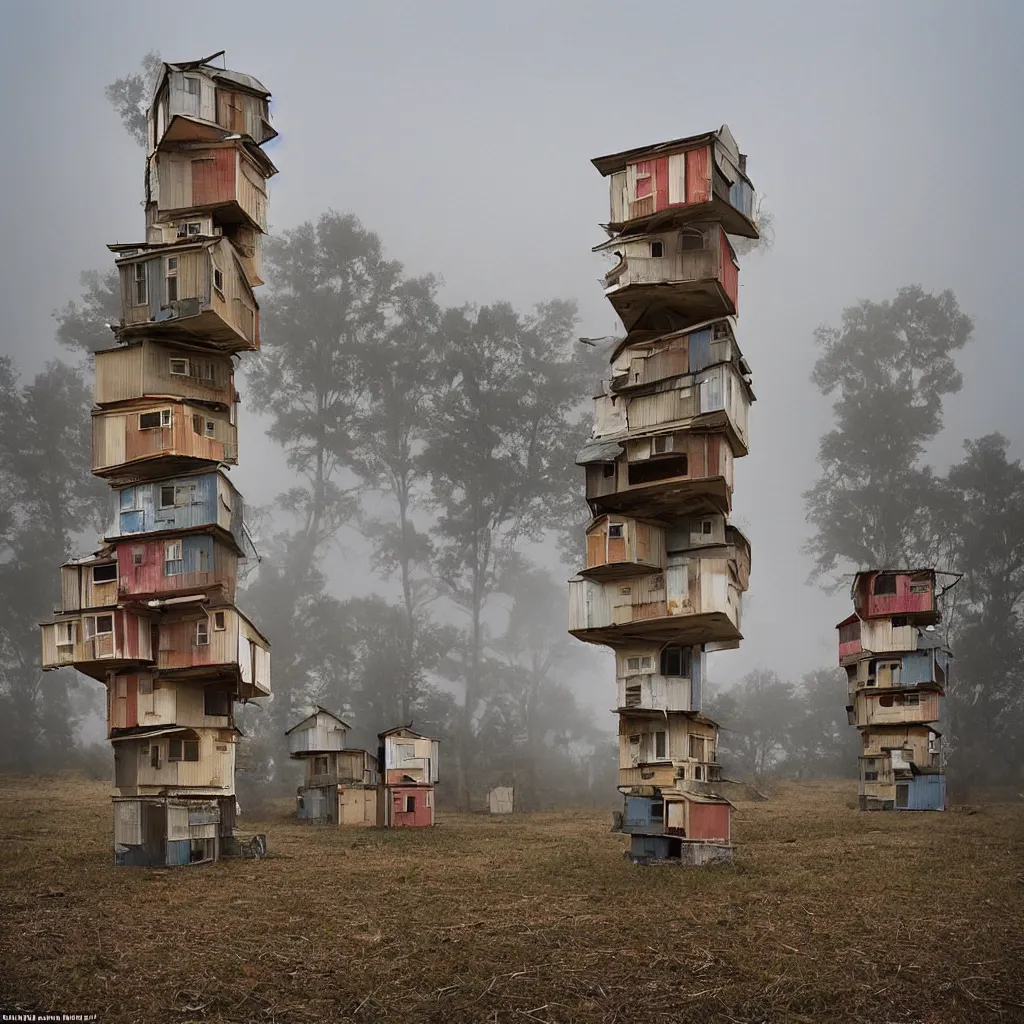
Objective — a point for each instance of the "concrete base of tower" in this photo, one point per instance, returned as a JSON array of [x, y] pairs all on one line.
[[663, 849]]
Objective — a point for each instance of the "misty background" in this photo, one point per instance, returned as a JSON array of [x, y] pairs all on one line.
[[881, 137]]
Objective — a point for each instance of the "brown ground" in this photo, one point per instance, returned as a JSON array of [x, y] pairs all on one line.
[[825, 915]]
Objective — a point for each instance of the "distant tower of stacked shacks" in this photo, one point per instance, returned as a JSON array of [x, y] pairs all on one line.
[[665, 569], [152, 614], [897, 668]]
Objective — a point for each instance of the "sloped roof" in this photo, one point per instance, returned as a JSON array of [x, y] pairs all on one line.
[[318, 711], [617, 161]]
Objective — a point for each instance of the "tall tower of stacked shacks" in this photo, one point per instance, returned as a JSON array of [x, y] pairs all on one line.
[[897, 668], [152, 614], [665, 569]]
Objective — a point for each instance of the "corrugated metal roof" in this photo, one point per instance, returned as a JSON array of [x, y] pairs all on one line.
[[599, 451]]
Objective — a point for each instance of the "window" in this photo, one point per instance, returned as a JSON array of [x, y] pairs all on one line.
[[104, 573], [705, 528], [191, 86], [197, 424], [633, 696], [691, 240], [152, 420], [202, 633], [173, 564], [657, 250], [899, 621], [139, 276], [210, 428], [171, 277], [885, 700], [697, 747], [102, 624], [871, 776], [615, 531], [167, 496], [138, 555], [410, 804], [884, 585], [320, 766], [675, 661], [698, 772], [154, 755], [919, 588], [911, 700], [660, 745], [662, 445], [218, 621], [66, 634], [218, 280], [179, 367], [183, 750], [658, 469], [625, 591], [609, 469], [869, 762], [204, 560], [638, 664], [216, 702], [189, 228]]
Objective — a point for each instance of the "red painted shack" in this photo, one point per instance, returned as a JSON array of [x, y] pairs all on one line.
[[408, 806], [907, 592], [699, 176]]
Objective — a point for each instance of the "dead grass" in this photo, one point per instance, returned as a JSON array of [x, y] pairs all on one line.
[[826, 915]]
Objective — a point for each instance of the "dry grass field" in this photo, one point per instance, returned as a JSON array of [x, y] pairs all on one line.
[[825, 915]]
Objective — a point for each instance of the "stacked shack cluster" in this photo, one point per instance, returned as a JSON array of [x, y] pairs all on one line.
[[345, 786], [897, 668], [152, 613], [665, 569]]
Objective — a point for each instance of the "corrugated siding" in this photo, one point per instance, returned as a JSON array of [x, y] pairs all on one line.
[[729, 273], [323, 734], [660, 183], [118, 439], [214, 175], [698, 175], [119, 374], [661, 409], [252, 192], [708, 821]]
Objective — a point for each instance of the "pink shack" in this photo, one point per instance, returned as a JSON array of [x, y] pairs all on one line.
[[409, 762]]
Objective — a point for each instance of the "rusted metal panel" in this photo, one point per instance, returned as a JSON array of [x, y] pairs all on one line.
[[213, 177], [729, 270], [698, 175], [708, 821], [661, 183]]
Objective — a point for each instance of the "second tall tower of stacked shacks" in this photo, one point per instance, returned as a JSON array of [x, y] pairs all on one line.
[[665, 570]]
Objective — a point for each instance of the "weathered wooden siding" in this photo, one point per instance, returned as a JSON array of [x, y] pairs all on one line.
[[119, 440], [915, 594], [641, 543], [135, 371], [423, 813], [215, 769], [707, 821], [870, 708], [323, 733], [136, 699], [414, 756], [79, 591], [729, 271], [205, 563], [128, 640], [202, 499]]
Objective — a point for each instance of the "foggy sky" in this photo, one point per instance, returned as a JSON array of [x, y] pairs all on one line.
[[884, 137]]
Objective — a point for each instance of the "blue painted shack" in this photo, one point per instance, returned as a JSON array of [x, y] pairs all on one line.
[[644, 815], [926, 792], [178, 503]]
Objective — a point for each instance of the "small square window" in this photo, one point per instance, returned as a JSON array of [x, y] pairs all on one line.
[[615, 531], [104, 573], [609, 470], [210, 428], [167, 496], [657, 250], [138, 555], [179, 367], [705, 527]]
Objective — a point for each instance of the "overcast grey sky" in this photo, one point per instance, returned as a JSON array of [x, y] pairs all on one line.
[[885, 137]]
